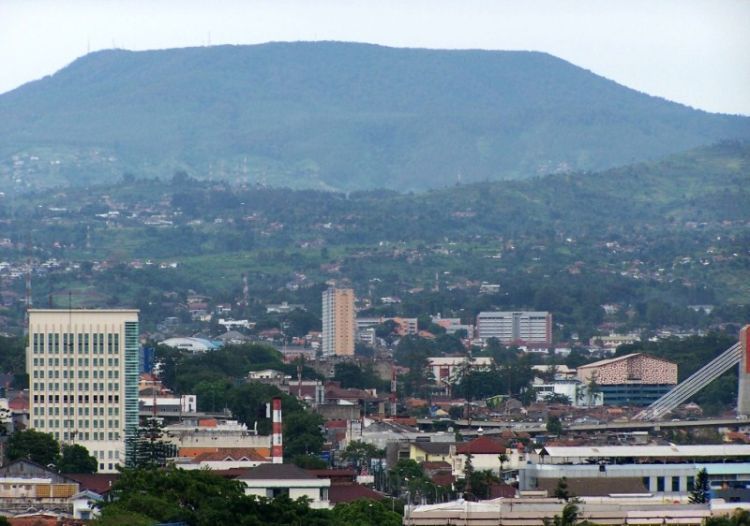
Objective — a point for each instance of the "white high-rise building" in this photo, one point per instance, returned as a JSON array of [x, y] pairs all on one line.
[[83, 379], [339, 325], [520, 327]]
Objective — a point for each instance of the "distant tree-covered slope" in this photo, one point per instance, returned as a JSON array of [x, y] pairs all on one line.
[[335, 115]]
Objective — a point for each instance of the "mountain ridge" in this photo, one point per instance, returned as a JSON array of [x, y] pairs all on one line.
[[341, 116]]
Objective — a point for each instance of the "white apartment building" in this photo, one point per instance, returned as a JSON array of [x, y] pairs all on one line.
[[532, 328], [83, 379]]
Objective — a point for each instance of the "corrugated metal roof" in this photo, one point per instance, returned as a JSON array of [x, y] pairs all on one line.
[[728, 450]]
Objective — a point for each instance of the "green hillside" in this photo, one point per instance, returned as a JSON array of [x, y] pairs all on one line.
[[652, 237], [335, 115]]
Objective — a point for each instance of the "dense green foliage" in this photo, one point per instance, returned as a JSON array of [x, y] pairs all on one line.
[[201, 498], [36, 446], [365, 513], [149, 447], [12, 357], [12, 360], [569, 516], [352, 375], [361, 453], [554, 426], [76, 459], [739, 517], [218, 379], [408, 481], [652, 238], [337, 115], [43, 449], [700, 494]]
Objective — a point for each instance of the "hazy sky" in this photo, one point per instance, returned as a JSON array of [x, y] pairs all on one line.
[[694, 52]]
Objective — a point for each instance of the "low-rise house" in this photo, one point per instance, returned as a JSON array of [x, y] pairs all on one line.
[[431, 452], [486, 454], [310, 391], [206, 434], [273, 480], [25, 484], [232, 338], [222, 459], [344, 487], [166, 403], [85, 504], [439, 472]]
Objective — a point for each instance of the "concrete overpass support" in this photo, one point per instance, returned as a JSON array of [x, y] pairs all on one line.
[[743, 394]]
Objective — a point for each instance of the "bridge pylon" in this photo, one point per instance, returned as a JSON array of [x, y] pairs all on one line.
[[743, 392]]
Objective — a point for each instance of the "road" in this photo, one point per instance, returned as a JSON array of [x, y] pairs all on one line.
[[538, 427]]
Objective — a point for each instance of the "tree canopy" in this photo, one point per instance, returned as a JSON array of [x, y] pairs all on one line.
[[33, 445], [202, 498]]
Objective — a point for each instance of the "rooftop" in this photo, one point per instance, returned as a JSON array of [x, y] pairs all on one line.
[[672, 450], [274, 472], [481, 446], [620, 359]]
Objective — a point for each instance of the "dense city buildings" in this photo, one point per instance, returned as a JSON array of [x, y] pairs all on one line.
[[530, 328], [338, 322], [83, 379]]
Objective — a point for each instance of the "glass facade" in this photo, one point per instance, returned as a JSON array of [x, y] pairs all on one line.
[[131, 390]]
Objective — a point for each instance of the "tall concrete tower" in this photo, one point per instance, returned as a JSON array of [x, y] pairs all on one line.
[[743, 394], [339, 324]]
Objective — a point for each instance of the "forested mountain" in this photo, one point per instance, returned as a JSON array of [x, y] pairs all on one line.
[[334, 116], [652, 238]]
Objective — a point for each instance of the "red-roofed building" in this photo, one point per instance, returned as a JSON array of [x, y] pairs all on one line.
[[439, 472], [336, 394], [100, 483], [343, 486], [486, 453], [351, 492], [19, 404], [483, 445]]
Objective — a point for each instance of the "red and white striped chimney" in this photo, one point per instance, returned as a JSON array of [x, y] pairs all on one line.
[[277, 447]]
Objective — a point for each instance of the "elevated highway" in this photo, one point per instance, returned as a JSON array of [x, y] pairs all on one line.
[[539, 427]]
